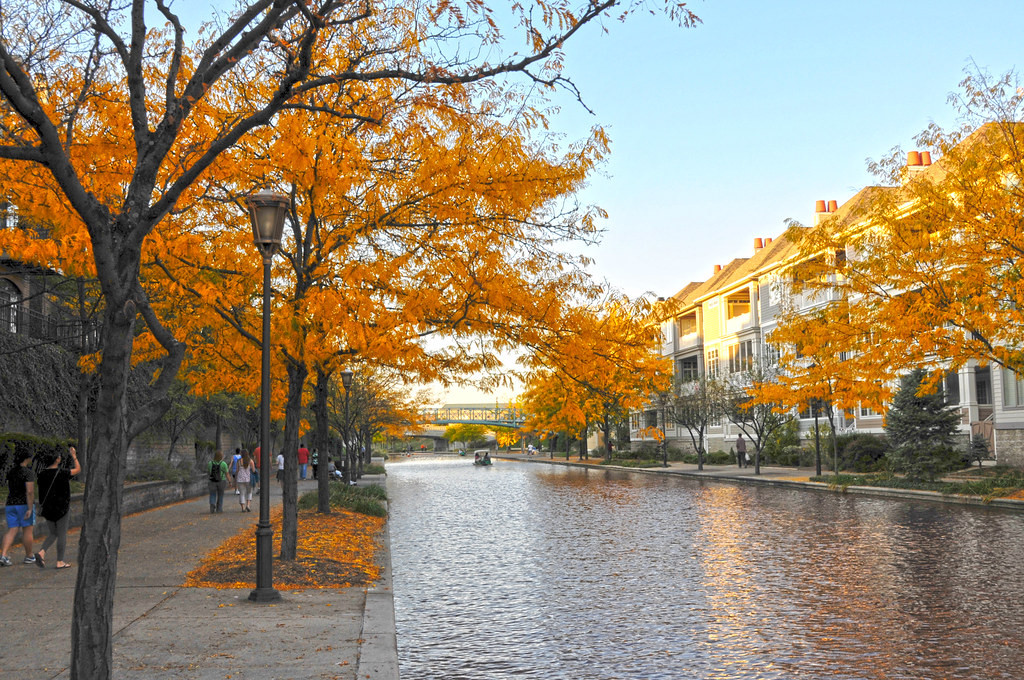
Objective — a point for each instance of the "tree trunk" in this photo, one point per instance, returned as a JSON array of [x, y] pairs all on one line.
[[297, 373], [100, 537], [321, 442]]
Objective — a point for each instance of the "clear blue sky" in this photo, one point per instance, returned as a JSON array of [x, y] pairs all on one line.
[[722, 132]]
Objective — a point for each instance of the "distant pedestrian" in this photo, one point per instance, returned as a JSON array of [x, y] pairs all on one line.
[[256, 473], [243, 479], [55, 503], [314, 460], [280, 468], [303, 455], [20, 508], [218, 473], [741, 451], [234, 468]]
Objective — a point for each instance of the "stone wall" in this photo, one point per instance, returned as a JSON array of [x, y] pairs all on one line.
[[137, 497], [1009, 446]]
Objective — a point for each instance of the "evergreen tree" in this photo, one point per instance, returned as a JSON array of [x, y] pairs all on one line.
[[921, 429]]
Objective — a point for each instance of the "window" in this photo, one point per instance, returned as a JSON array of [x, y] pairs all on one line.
[[8, 215], [1013, 389], [712, 363], [868, 412], [776, 289], [951, 388], [772, 354], [687, 369], [686, 324], [741, 356], [10, 306], [738, 304], [983, 384], [651, 418]]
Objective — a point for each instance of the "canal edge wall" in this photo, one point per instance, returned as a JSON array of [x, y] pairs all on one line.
[[378, 647], [880, 492]]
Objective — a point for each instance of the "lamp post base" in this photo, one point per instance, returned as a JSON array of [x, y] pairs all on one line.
[[264, 591], [261, 595]]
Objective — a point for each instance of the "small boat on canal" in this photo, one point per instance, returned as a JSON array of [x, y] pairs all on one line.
[[482, 457]]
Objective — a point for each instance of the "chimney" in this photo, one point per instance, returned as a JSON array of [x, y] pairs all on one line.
[[915, 162], [718, 268], [767, 241], [758, 245], [833, 206], [820, 212]]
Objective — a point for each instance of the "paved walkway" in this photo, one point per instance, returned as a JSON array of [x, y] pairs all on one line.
[[166, 631]]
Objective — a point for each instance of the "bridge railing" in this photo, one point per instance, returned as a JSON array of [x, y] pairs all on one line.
[[498, 416]]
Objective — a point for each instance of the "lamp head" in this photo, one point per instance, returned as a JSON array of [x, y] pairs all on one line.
[[346, 379], [266, 210]]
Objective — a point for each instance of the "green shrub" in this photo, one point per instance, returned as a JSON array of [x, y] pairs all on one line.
[[373, 469], [160, 469], [720, 458], [861, 452], [366, 500]]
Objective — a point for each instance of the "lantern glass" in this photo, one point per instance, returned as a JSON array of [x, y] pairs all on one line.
[[267, 210]]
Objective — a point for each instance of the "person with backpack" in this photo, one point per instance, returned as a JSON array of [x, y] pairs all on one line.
[[218, 473], [234, 468], [55, 502]]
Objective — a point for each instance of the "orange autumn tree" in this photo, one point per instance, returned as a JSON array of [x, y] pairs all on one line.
[[607, 357], [376, 256], [934, 254], [556, 405], [110, 126]]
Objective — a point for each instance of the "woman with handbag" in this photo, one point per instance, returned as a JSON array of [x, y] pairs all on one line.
[[55, 502], [243, 479]]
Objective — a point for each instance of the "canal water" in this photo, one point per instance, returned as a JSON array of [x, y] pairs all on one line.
[[533, 571]]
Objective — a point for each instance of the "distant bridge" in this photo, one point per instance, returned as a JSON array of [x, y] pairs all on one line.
[[494, 416]]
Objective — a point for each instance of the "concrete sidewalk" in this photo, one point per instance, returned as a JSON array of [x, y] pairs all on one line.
[[165, 631]]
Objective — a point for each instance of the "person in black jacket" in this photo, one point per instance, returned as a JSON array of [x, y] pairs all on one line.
[[54, 502]]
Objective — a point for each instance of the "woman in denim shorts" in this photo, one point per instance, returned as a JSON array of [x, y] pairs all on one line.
[[20, 509]]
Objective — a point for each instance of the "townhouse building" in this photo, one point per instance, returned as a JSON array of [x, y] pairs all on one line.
[[720, 326]]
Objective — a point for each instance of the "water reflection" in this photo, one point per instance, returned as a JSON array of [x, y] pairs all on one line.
[[530, 571]]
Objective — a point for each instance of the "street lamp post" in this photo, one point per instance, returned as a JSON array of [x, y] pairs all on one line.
[[346, 382], [267, 210]]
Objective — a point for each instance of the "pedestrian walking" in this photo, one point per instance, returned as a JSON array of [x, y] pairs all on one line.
[[55, 502], [280, 468], [303, 455], [218, 473], [234, 468], [741, 451], [256, 470], [20, 508], [243, 479], [314, 460]]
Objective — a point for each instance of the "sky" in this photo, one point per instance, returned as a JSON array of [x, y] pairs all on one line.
[[722, 132]]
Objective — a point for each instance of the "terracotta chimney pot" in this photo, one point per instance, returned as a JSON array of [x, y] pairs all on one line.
[[758, 244], [926, 158], [718, 268], [819, 206], [833, 206], [767, 241], [914, 158]]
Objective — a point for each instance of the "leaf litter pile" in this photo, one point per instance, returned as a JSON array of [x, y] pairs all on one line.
[[334, 551]]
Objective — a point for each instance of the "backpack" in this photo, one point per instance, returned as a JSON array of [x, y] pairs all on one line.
[[215, 468]]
